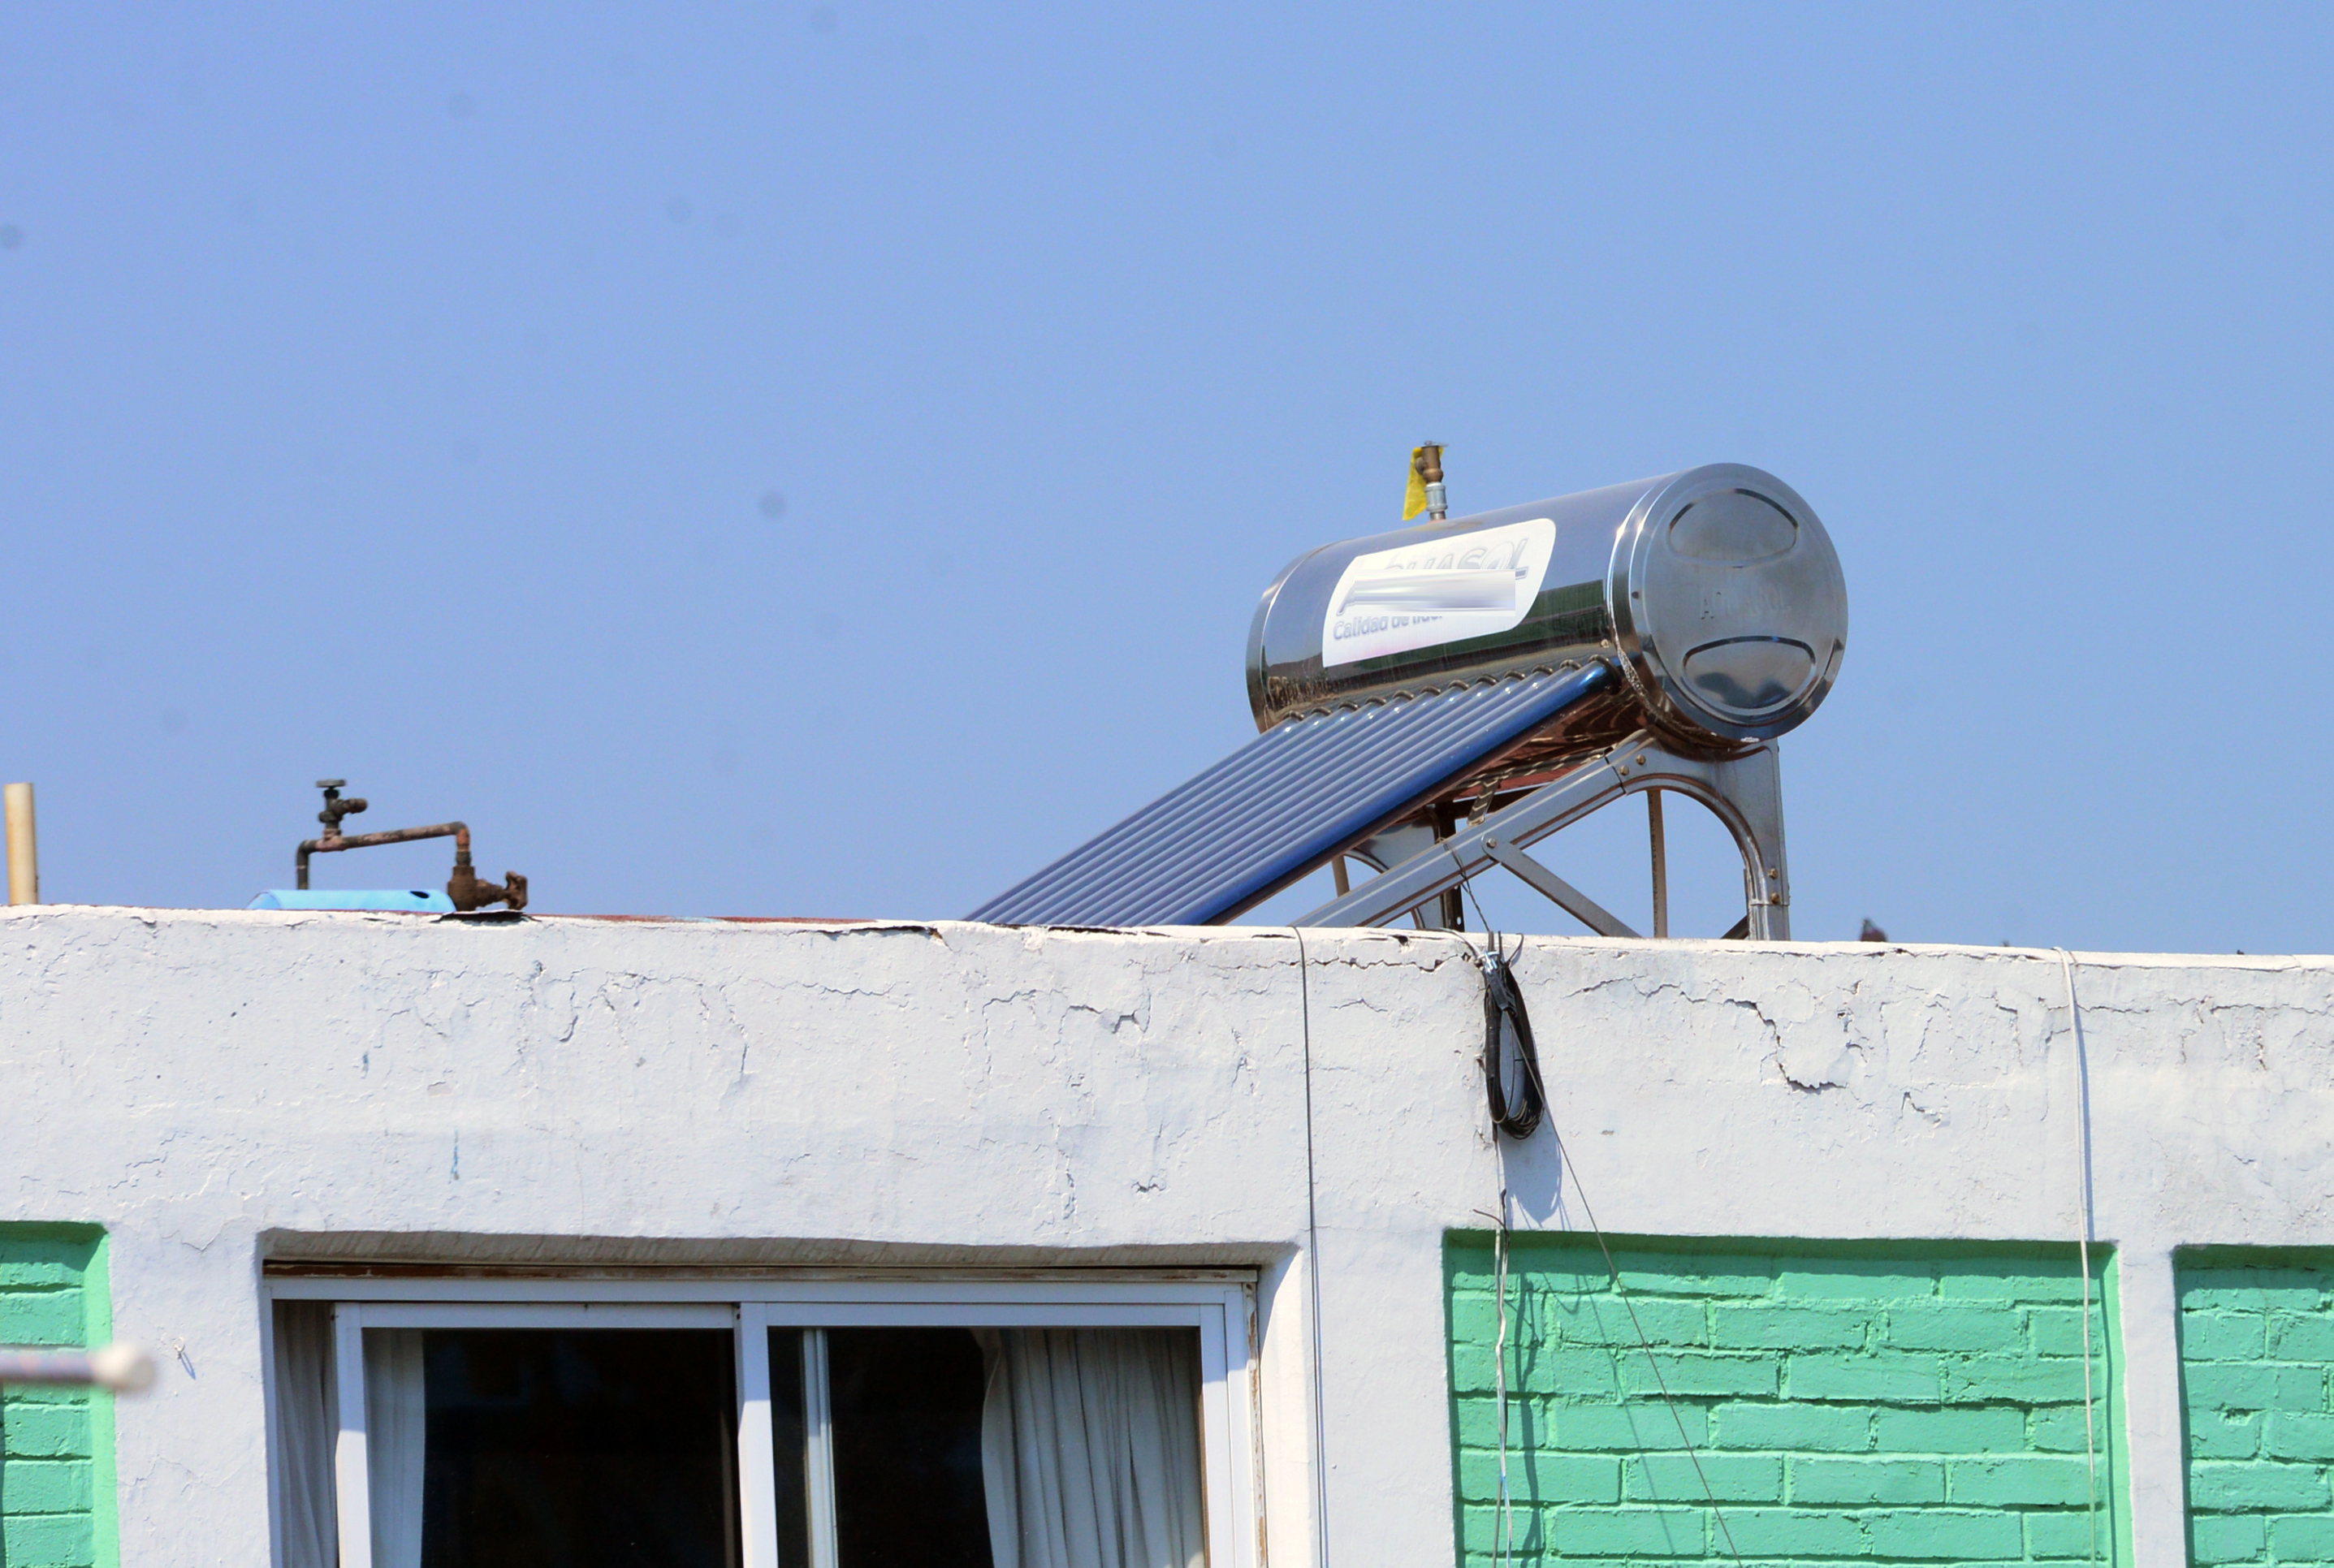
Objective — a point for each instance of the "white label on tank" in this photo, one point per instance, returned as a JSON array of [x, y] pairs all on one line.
[[1435, 591]]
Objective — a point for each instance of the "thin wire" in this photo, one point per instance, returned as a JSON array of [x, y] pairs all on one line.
[[1499, 1385], [1651, 1359], [1507, 1511], [1564, 1153], [2083, 1240], [1468, 883], [1312, 1263]]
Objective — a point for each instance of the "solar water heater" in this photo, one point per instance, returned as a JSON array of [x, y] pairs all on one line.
[[1436, 699]]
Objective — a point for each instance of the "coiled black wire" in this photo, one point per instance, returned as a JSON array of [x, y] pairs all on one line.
[[1507, 1050]]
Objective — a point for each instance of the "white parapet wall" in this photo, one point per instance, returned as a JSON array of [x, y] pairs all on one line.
[[217, 1089]]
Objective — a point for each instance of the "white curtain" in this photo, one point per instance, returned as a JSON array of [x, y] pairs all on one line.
[[307, 1424], [1090, 1449], [396, 1434]]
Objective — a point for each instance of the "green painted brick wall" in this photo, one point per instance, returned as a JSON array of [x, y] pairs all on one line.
[[2256, 1339], [1877, 1404], [56, 1445]]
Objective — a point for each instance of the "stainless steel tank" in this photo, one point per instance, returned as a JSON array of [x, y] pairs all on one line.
[[1714, 592]]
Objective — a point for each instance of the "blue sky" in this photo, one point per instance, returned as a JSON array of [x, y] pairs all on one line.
[[822, 460]]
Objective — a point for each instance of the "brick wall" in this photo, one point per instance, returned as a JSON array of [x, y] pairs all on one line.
[[2256, 1336], [56, 1445], [1847, 1406]]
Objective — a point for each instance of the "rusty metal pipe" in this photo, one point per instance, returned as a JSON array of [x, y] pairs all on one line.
[[457, 832], [464, 886]]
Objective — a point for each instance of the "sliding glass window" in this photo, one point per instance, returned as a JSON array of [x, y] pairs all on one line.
[[1078, 1427]]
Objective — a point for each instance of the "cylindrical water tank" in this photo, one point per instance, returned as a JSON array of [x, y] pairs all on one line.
[[1715, 592]]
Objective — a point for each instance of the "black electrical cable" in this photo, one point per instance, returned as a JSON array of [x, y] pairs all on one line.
[[1507, 1032], [1506, 1019]]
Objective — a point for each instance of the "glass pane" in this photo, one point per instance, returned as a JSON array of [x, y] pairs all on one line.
[[907, 1447], [579, 1449], [787, 1437]]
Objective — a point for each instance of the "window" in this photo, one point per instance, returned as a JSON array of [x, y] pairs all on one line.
[[1082, 1423]]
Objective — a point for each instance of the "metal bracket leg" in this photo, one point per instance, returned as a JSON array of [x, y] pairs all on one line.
[[1557, 892], [1391, 848]]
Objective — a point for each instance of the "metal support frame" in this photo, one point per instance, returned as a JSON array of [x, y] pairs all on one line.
[[1745, 792], [1393, 847]]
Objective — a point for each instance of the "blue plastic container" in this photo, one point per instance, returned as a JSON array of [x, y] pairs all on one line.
[[412, 900]]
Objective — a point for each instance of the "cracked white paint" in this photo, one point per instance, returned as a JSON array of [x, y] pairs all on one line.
[[213, 1085]]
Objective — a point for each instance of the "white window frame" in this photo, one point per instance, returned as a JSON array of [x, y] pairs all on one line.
[[1221, 1311]]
